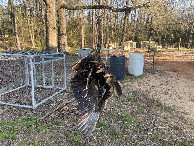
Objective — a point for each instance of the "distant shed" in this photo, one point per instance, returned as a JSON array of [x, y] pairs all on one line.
[[129, 45]]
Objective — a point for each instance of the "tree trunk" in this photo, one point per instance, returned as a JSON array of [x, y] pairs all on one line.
[[63, 46], [102, 25], [126, 18], [51, 25], [12, 13], [82, 26], [43, 14], [190, 38], [99, 31], [30, 23], [93, 28]]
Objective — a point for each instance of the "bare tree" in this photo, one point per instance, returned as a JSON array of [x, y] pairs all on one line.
[[82, 25], [14, 21], [63, 46], [30, 22], [51, 25]]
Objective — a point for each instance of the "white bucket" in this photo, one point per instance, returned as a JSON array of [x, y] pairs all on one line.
[[136, 63], [83, 52]]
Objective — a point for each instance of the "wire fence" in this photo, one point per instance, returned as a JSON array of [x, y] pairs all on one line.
[[30, 80]]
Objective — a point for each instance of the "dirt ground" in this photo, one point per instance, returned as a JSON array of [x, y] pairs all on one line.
[[173, 85], [156, 108]]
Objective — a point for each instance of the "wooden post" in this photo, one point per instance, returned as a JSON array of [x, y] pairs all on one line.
[[154, 59], [179, 44]]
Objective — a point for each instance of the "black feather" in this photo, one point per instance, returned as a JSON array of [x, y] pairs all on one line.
[[118, 88], [92, 86]]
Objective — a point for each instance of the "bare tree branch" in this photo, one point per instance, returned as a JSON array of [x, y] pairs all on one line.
[[108, 7]]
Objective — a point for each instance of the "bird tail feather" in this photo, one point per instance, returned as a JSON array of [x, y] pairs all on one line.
[[118, 88], [87, 123]]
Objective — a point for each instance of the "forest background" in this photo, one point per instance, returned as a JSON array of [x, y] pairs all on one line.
[[67, 25]]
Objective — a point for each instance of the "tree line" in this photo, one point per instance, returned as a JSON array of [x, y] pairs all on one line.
[[64, 25]]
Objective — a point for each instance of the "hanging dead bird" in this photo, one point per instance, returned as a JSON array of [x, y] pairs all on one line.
[[92, 86]]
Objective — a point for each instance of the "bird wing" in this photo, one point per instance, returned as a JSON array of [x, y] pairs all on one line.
[[86, 104], [92, 88]]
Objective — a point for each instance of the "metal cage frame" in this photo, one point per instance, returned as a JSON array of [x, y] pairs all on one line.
[[30, 76]]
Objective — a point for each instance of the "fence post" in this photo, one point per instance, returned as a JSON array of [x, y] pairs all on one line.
[[154, 59], [26, 71], [64, 72], [32, 82], [34, 72], [53, 80], [43, 78]]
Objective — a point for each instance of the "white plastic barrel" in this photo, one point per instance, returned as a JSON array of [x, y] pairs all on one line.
[[83, 52], [136, 63]]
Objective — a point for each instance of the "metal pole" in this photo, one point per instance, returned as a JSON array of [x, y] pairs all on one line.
[[32, 82], [43, 77], [64, 73], [34, 72], [106, 56], [53, 81], [26, 71]]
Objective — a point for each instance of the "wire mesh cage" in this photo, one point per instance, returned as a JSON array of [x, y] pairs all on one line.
[[30, 80]]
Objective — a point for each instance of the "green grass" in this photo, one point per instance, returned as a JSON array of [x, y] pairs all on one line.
[[142, 109], [101, 125], [8, 129], [44, 127], [35, 143], [126, 79], [67, 133], [8, 134], [136, 93], [132, 78], [136, 129], [75, 139], [73, 120], [126, 125], [163, 107], [114, 133], [59, 123], [130, 119]]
